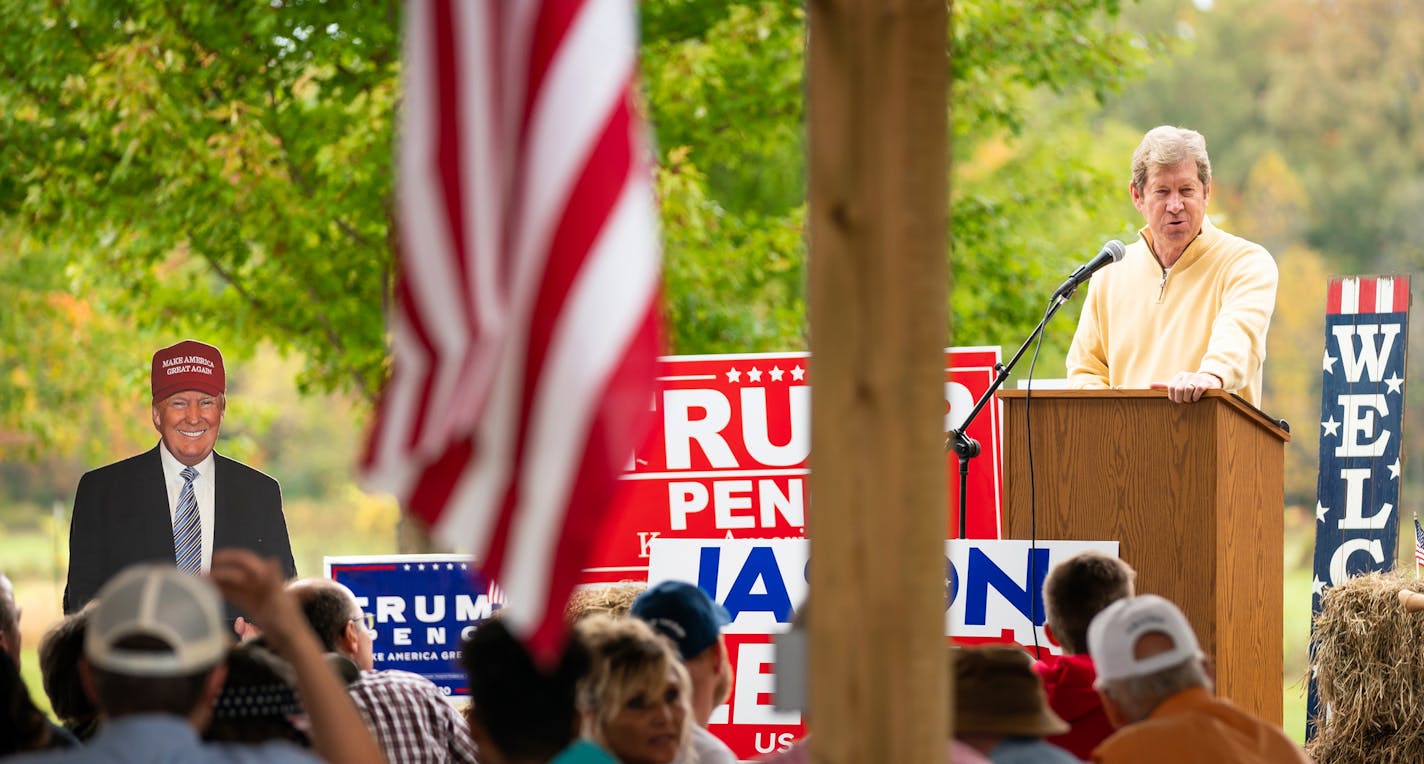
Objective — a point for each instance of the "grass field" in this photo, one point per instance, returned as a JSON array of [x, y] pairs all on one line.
[[1298, 549], [30, 671]]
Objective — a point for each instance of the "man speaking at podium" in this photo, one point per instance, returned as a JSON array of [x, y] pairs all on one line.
[[1188, 307], [178, 501]]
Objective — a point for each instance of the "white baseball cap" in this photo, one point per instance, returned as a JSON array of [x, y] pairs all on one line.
[[181, 610], [1113, 636]]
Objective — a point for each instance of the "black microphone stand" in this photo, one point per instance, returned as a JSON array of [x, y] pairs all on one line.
[[965, 447]]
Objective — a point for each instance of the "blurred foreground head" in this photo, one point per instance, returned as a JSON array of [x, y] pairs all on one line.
[[258, 701], [61, 649], [997, 694], [155, 643], [518, 711]]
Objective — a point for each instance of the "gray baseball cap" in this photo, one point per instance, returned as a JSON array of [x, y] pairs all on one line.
[[180, 610]]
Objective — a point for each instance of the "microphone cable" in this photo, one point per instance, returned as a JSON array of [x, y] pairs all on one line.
[[1035, 586]]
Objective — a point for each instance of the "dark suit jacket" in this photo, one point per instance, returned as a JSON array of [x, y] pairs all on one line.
[[121, 517]]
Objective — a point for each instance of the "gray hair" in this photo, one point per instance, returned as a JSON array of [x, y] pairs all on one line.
[[1137, 696], [1166, 146]]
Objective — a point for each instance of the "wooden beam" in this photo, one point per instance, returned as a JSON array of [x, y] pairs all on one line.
[[877, 107]]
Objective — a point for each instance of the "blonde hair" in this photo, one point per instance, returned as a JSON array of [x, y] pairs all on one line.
[[629, 659], [613, 600], [1165, 146]]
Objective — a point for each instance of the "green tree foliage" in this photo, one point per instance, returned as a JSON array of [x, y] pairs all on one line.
[[1028, 209], [1313, 116], [224, 166], [1270, 209], [68, 379], [1037, 183], [1293, 352], [224, 170], [724, 92], [1332, 87], [310, 440]]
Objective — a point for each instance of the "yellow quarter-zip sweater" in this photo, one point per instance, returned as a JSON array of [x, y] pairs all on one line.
[[1209, 313]]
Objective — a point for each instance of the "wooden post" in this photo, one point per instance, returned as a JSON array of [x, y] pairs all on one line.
[[877, 76]]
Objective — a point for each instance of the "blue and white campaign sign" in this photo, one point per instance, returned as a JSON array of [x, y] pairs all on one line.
[[1361, 416], [419, 608], [995, 588], [992, 588]]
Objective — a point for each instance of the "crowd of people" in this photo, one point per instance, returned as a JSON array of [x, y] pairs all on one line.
[[1131, 684], [174, 550], [148, 671]]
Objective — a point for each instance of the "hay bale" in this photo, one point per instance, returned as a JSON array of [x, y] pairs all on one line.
[[1369, 661]]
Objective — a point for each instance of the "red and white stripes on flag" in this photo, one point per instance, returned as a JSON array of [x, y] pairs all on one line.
[[1369, 294], [1418, 547], [525, 332]]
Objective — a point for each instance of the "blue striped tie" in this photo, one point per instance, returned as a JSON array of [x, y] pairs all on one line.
[[187, 528]]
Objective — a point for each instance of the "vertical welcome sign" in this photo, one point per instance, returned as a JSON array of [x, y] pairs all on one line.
[[1361, 415]]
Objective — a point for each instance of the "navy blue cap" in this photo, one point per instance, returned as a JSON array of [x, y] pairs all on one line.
[[683, 613]]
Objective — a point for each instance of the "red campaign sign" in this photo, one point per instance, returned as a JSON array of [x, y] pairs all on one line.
[[968, 373], [727, 457]]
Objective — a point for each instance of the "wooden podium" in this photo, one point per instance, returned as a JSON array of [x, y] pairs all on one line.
[[1194, 493]]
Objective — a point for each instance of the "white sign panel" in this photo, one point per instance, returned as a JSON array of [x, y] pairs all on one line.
[[993, 587]]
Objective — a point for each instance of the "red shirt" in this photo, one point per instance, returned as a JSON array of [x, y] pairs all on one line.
[[1068, 681]]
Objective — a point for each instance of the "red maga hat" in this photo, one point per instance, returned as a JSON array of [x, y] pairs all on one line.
[[188, 365]]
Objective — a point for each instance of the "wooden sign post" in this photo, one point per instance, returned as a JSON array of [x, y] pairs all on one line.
[[877, 73]]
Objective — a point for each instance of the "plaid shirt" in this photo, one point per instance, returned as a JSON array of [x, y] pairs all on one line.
[[411, 719]]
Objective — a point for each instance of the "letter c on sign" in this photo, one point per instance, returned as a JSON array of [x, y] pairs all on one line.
[[1339, 561]]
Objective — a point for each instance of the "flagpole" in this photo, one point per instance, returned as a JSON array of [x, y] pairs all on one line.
[[1418, 545]]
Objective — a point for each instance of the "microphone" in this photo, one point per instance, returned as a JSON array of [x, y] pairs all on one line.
[[1110, 253]]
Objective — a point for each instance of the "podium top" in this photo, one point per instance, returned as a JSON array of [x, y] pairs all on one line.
[[1276, 427]]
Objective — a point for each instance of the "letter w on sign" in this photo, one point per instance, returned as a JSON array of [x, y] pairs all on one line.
[[525, 332]]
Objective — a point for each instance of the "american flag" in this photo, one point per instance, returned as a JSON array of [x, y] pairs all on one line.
[[525, 332], [1418, 546]]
